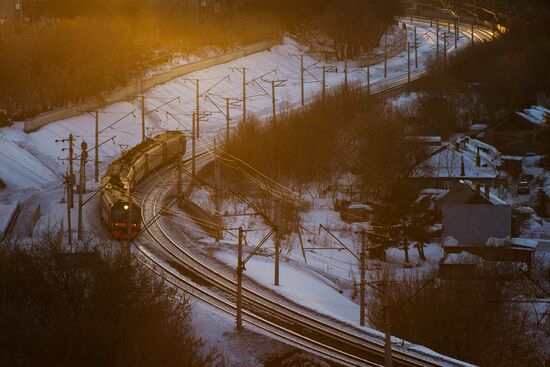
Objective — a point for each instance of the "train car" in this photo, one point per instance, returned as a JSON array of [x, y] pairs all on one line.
[[118, 206]]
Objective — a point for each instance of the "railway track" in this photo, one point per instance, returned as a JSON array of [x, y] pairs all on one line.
[[345, 346]]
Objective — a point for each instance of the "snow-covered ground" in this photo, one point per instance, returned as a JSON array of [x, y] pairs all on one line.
[[32, 165]]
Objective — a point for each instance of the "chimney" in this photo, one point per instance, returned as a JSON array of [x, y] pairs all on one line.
[[487, 191], [478, 158], [462, 168]]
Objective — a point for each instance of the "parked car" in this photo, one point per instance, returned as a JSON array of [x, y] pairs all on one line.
[[524, 184]]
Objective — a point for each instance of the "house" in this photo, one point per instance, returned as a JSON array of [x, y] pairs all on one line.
[[472, 216], [519, 133], [464, 159]]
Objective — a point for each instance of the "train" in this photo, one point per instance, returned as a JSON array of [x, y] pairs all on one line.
[[119, 207]]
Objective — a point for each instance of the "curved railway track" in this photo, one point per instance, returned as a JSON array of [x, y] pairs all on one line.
[[288, 324]]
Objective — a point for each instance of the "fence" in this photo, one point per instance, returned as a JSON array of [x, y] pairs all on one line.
[[137, 86]]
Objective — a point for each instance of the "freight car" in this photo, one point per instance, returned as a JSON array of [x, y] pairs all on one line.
[[119, 208]]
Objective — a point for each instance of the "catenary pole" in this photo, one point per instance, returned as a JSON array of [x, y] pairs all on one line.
[[362, 280], [239, 279], [227, 121], [96, 146], [143, 117], [82, 187]]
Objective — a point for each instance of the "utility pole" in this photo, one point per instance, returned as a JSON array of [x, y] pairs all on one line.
[[324, 82], [385, 55], [143, 117], [227, 121], [244, 96], [409, 62], [387, 326], [96, 146], [302, 78], [217, 181], [346, 67], [68, 183], [193, 143], [273, 99], [197, 107], [178, 172], [239, 279], [415, 50], [71, 171], [277, 255], [129, 227], [82, 187], [445, 49], [437, 37], [368, 78], [362, 281], [456, 33]]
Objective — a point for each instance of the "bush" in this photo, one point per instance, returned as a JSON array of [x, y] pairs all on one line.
[[105, 311], [463, 319]]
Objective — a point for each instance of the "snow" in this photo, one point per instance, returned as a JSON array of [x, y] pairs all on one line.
[[301, 288], [6, 214], [33, 158], [33, 169], [447, 161], [535, 114]]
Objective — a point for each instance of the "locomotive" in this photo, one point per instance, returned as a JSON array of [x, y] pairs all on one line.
[[119, 209]]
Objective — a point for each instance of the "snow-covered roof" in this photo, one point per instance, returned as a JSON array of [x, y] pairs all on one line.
[[535, 114], [360, 206], [465, 191], [425, 139], [535, 243], [447, 161]]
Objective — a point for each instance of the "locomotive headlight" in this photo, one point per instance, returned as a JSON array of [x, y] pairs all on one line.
[[125, 207]]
